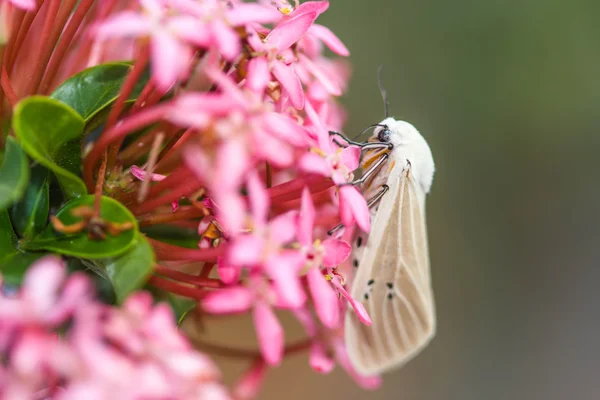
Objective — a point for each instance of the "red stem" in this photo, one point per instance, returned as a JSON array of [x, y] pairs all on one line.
[[175, 178], [188, 278], [11, 96], [147, 91], [206, 269], [64, 43], [293, 189], [132, 78], [183, 213], [169, 252], [176, 288], [227, 351], [46, 43], [184, 190], [130, 124], [19, 37], [17, 20]]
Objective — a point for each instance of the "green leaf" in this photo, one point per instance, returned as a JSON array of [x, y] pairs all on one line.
[[8, 239], [14, 173], [131, 270], [79, 245], [183, 237], [30, 215], [181, 306], [51, 132], [96, 88], [13, 263]]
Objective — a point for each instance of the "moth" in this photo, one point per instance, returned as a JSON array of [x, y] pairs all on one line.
[[392, 273]]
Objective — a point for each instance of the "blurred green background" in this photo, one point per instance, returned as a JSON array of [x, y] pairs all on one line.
[[507, 94]]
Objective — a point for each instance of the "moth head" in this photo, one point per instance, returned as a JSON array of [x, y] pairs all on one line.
[[399, 133], [408, 144]]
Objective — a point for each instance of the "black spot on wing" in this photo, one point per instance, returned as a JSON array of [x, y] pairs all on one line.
[[355, 263], [359, 241]]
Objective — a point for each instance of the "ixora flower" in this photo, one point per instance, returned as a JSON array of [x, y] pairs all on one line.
[[100, 351], [177, 151]]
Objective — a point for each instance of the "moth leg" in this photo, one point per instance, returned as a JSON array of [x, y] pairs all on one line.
[[370, 171], [363, 146], [370, 204], [378, 196]]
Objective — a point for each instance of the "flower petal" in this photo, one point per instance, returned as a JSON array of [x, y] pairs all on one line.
[[359, 309], [351, 157], [325, 298], [283, 269], [318, 7], [232, 164], [282, 228], [231, 213], [353, 207], [246, 13], [285, 128], [330, 39], [228, 41], [258, 75], [168, 55], [245, 250], [329, 82], [259, 198], [319, 360], [306, 219], [314, 163], [290, 82], [286, 33], [227, 273], [228, 300], [336, 252], [269, 332], [126, 23]]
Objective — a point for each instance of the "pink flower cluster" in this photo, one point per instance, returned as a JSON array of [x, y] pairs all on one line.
[[262, 151], [135, 351], [233, 128]]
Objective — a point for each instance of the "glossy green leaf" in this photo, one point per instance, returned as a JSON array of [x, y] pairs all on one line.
[[13, 262], [8, 238], [96, 88], [181, 306], [14, 173], [51, 132], [30, 214], [79, 244], [183, 237], [131, 270]]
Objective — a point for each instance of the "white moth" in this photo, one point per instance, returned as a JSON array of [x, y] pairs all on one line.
[[392, 277]]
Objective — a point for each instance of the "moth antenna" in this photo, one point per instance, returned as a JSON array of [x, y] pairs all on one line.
[[383, 91]]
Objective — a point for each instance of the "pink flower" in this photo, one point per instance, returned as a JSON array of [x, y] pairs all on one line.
[[170, 37], [258, 296], [103, 350], [218, 21], [263, 247], [328, 253], [278, 42]]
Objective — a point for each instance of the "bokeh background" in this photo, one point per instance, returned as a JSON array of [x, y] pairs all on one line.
[[507, 93]]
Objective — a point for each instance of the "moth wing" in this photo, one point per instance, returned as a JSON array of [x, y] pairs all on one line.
[[393, 283]]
